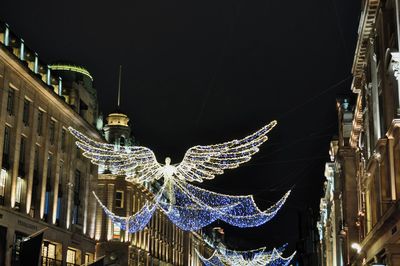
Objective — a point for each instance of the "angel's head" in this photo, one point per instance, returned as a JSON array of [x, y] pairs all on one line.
[[167, 161]]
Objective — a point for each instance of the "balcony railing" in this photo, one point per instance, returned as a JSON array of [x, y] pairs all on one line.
[[51, 262]]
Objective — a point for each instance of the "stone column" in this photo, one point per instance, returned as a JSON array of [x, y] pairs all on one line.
[[375, 95]]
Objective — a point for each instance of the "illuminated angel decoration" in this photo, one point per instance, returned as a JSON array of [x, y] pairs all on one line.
[[258, 257], [188, 206]]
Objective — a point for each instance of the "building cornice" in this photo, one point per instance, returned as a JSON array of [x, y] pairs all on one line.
[[394, 131], [365, 30], [42, 89], [357, 123]]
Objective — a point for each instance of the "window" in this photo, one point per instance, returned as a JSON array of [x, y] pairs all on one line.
[[48, 253], [48, 186], [36, 159], [63, 139], [22, 149], [116, 232], [71, 257], [49, 168], [46, 205], [18, 192], [52, 133], [119, 199], [58, 213], [122, 141], [61, 175], [77, 188], [6, 147], [3, 179], [88, 258], [25, 115], [60, 193], [10, 101], [18, 238], [35, 179], [39, 123]]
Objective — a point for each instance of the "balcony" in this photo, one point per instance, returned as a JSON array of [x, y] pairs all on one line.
[[51, 262]]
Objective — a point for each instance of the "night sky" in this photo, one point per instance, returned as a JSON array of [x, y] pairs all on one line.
[[202, 72]]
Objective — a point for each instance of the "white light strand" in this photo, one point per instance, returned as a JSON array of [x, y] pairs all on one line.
[[188, 206], [137, 221], [193, 208], [259, 257], [199, 162]]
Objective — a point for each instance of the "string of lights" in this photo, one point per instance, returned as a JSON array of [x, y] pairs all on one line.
[[193, 208], [258, 257], [199, 162], [135, 222], [186, 205]]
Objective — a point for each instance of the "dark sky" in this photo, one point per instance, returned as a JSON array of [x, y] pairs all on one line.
[[202, 72]]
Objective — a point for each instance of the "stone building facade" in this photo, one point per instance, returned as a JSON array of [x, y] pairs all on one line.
[[44, 181], [338, 208], [369, 169]]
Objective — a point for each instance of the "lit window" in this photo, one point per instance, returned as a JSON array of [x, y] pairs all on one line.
[[71, 256], [119, 199], [116, 232], [48, 253], [3, 178], [88, 258], [52, 251], [19, 190], [44, 249]]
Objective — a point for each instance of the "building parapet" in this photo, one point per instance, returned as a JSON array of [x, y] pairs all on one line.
[[366, 28]]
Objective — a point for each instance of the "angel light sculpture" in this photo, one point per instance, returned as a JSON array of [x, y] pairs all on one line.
[[186, 205]]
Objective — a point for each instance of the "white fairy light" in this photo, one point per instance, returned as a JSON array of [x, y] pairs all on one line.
[[258, 257], [195, 208], [188, 206], [192, 208], [199, 162]]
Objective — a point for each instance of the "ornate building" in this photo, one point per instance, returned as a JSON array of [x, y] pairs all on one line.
[[337, 225], [369, 169], [44, 181]]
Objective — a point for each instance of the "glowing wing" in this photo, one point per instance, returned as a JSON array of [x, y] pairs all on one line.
[[138, 163], [204, 162]]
